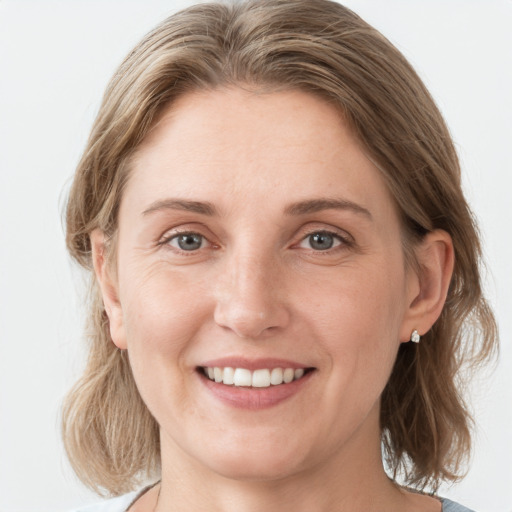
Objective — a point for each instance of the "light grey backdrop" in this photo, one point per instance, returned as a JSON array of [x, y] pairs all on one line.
[[55, 60]]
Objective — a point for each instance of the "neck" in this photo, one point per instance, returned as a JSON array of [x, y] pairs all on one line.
[[350, 479]]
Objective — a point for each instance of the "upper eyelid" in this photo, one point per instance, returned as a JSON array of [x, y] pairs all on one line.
[[331, 230], [335, 234], [169, 234]]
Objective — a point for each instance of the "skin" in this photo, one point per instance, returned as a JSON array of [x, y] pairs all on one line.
[[257, 287]]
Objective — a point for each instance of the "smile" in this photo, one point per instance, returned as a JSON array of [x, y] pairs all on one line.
[[260, 378]]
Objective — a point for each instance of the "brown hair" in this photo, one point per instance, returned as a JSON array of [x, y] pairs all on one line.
[[323, 48]]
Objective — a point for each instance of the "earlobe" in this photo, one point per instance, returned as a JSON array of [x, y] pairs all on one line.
[[109, 288], [435, 257]]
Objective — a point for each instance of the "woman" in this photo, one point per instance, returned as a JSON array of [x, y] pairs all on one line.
[[285, 272]]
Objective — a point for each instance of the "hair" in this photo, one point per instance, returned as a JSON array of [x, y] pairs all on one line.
[[322, 48]]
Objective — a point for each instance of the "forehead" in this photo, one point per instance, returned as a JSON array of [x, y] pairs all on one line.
[[237, 121], [232, 144]]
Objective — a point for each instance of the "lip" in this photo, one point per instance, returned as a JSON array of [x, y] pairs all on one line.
[[249, 398], [252, 364]]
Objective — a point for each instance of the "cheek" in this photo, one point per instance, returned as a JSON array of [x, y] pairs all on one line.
[[161, 316], [364, 303], [161, 309], [357, 318]]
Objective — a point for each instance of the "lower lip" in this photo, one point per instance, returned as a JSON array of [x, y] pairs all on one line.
[[254, 398]]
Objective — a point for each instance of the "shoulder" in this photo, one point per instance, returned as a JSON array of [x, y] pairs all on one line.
[[451, 506], [119, 504]]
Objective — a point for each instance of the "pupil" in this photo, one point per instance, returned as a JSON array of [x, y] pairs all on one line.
[[321, 241], [189, 242]]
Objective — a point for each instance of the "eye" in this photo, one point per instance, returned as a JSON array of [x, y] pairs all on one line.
[[187, 241], [321, 241]]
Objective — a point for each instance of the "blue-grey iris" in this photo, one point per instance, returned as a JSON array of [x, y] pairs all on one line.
[[190, 241], [321, 241]]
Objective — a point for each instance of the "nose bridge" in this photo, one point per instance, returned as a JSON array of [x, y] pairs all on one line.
[[248, 301]]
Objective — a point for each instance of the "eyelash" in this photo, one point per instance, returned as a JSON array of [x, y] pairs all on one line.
[[344, 241]]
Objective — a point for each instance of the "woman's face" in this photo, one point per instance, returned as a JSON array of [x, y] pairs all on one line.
[[255, 235]]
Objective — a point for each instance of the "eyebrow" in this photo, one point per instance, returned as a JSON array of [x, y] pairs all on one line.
[[299, 208], [201, 207], [317, 205]]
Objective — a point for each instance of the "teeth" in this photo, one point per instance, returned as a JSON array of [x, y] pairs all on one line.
[[276, 376], [242, 377], [261, 378], [288, 375], [228, 376], [299, 372], [217, 374]]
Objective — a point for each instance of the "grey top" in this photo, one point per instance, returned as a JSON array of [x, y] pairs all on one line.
[[122, 503], [451, 506]]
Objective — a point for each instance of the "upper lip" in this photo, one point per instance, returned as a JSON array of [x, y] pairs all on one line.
[[252, 364]]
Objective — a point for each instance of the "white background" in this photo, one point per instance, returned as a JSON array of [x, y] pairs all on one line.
[[55, 60]]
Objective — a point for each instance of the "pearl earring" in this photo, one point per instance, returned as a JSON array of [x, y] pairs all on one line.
[[415, 337]]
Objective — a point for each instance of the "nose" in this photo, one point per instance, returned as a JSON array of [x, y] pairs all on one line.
[[251, 298]]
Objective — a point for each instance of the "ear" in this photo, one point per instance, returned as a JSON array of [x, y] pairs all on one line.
[[109, 288], [428, 284]]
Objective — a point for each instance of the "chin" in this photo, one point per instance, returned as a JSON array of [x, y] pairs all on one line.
[[245, 470], [256, 463]]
